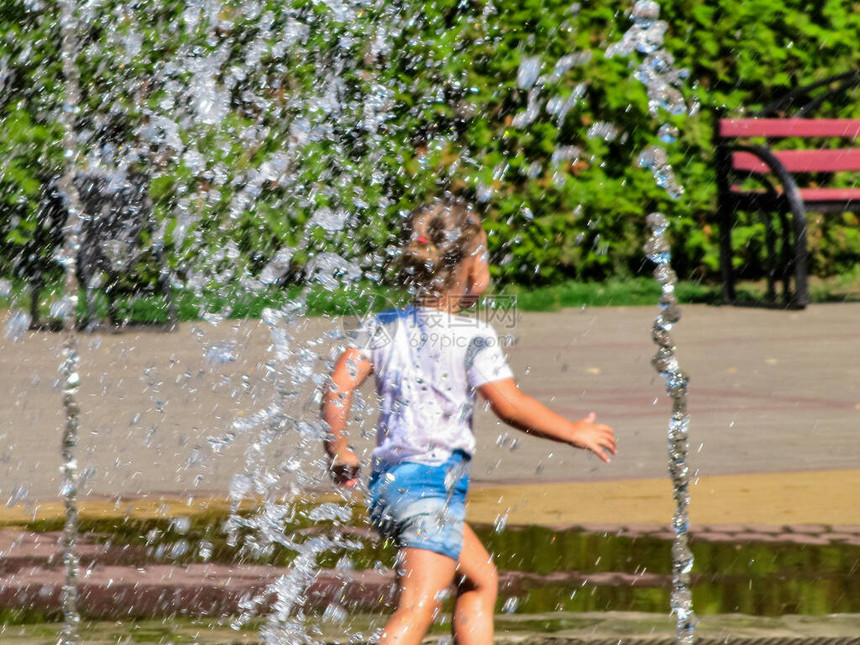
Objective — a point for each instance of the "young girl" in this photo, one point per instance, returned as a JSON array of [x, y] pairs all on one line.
[[430, 362]]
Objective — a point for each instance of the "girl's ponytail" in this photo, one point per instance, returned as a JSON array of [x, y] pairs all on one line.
[[421, 259], [437, 238]]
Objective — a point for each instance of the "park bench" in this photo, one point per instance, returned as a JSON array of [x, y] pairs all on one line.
[[788, 184], [117, 212]]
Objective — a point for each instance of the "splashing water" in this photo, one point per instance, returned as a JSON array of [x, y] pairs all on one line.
[[662, 81], [665, 362], [296, 370]]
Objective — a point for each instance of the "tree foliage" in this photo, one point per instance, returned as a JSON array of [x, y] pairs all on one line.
[[369, 113]]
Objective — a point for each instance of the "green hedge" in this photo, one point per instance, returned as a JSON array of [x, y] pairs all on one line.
[[451, 82]]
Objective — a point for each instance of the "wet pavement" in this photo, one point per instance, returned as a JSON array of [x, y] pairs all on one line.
[[593, 628], [127, 597], [603, 628]]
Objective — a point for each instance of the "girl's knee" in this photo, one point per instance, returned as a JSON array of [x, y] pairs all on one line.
[[422, 611], [484, 582]]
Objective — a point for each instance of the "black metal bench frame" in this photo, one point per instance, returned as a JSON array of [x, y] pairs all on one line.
[[782, 197]]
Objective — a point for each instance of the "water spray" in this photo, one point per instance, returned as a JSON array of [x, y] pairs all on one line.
[[662, 81], [69, 367]]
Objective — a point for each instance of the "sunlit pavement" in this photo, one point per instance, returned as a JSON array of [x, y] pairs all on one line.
[[772, 394]]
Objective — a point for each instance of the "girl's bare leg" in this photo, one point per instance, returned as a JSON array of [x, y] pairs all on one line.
[[423, 575], [478, 585]]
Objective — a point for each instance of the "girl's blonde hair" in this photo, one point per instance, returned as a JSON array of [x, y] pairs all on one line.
[[438, 237]]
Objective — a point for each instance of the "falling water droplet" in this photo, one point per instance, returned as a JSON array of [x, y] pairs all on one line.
[[16, 324], [528, 71], [668, 133]]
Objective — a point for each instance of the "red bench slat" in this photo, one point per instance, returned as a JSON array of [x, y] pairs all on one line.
[[816, 194], [830, 194], [849, 128], [802, 160]]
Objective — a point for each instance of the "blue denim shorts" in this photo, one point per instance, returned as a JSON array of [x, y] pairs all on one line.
[[420, 506]]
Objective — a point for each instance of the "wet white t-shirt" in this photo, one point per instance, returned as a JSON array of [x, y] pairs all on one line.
[[428, 364]]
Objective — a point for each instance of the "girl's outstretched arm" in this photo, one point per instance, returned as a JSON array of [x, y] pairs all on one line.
[[531, 416], [349, 373]]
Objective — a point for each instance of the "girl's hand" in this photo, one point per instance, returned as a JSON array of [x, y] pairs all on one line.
[[344, 468], [534, 418], [595, 437]]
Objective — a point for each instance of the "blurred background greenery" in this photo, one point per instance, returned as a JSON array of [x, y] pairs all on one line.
[[448, 76]]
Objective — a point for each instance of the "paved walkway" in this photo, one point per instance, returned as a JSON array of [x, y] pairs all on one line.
[[773, 394]]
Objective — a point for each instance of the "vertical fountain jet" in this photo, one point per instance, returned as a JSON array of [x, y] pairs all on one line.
[[69, 367], [665, 362], [663, 84]]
